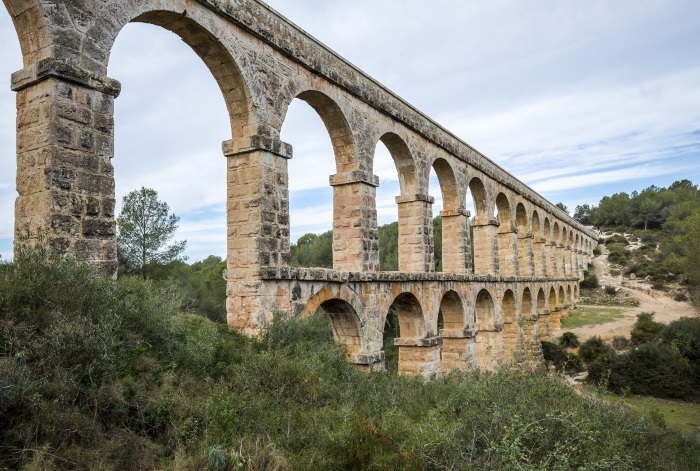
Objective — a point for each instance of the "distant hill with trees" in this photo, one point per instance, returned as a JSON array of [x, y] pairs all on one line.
[[666, 220]]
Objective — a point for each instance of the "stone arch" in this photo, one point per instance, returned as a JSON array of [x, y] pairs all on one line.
[[569, 295], [410, 315], [552, 299], [404, 162], [541, 302], [509, 308], [453, 313], [458, 347], [556, 233], [342, 306], [538, 245], [505, 216], [526, 305], [547, 228], [451, 201], [521, 219], [215, 55], [481, 200], [484, 310], [31, 28], [338, 128]]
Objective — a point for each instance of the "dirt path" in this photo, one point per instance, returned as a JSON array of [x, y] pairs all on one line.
[[664, 308]]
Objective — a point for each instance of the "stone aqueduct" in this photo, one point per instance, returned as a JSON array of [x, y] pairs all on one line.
[[500, 290]]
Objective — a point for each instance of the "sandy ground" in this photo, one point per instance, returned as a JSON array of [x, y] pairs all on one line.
[[664, 308]]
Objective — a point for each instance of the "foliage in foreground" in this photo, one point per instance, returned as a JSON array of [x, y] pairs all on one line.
[[98, 374]]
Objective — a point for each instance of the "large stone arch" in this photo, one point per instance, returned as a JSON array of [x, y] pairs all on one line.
[[528, 314], [415, 244], [489, 340], [337, 124], [417, 354], [458, 346], [485, 230], [539, 249], [456, 251]]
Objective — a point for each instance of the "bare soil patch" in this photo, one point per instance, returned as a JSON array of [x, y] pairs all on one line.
[[664, 308]]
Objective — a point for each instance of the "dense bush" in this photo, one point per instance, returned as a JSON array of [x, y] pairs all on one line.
[[646, 329], [590, 281], [563, 361], [98, 374], [595, 349], [616, 239], [569, 340]]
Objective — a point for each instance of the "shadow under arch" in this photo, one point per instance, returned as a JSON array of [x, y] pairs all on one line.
[[341, 305], [526, 249]]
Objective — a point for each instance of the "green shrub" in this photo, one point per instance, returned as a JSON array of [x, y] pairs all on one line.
[[569, 340], [658, 286], [683, 335], [645, 330], [590, 281], [112, 375], [620, 343], [610, 290], [594, 349], [617, 239], [597, 251], [560, 358]]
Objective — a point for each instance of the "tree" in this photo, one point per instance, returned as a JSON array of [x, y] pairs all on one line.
[[563, 207], [583, 214], [144, 228]]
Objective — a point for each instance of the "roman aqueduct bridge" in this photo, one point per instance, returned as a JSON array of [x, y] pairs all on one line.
[[501, 289]]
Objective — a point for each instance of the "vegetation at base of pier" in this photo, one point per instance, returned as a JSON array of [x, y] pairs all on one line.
[[104, 374]]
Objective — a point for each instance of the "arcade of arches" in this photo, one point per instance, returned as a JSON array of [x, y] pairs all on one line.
[[510, 271]]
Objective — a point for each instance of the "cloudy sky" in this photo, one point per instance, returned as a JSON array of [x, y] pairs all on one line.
[[577, 99]]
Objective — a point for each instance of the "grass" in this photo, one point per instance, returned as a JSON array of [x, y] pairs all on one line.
[[677, 415], [591, 316]]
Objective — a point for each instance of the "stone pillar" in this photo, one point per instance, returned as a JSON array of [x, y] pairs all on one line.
[[555, 321], [486, 248], [355, 232], [65, 178], [513, 342], [420, 356], [507, 251], [456, 247], [526, 255], [568, 259], [489, 346], [416, 233], [553, 254], [258, 226], [458, 349], [533, 345], [561, 265], [544, 325], [540, 254]]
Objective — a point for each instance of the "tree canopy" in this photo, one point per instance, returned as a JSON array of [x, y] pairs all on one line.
[[145, 225]]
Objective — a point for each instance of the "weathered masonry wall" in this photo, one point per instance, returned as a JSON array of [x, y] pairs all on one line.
[[522, 246]]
